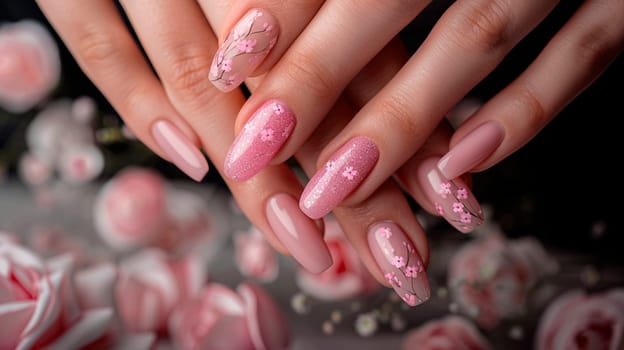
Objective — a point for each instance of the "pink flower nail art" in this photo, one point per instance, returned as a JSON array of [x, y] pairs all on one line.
[[452, 199], [396, 256], [260, 139], [244, 49]]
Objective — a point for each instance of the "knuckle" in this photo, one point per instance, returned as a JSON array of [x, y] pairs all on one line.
[[396, 113], [483, 25], [97, 49], [187, 74], [307, 72], [535, 113], [594, 49]]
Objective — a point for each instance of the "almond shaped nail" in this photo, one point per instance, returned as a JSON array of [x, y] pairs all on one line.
[[400, 262], [340, 176], [298, 233], [452, 198], [244, 49], [181, 151], [260, 139]]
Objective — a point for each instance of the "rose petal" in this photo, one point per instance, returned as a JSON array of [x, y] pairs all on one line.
[[267, 326], [89, 328], [47, 312], [229, 333], [94, 285], [13, 319], [554, 315], [143, 341]]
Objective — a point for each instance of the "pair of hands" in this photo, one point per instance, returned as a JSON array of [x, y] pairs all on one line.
[[333, 88]]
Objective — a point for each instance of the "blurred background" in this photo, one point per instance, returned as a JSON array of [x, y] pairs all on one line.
[[562, 188]]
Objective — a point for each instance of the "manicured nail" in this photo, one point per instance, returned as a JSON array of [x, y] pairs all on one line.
[[259, 140], [452, 199], [180, 150], [402, 267], [298, 233], [342, 174], [471, 150], [244, 49]]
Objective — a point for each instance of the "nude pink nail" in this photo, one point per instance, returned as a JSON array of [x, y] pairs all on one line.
[[472, 150], [402, 266], [260, 139], [244, 49], [342, 174], [180, 150], [298, 233], [452, 198]]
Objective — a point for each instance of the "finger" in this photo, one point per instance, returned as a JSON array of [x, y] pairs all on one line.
[[98, 38], [254, 34], [577, 55], [311, 75], [458, 53]]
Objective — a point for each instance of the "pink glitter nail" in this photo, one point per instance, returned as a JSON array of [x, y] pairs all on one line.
[[342, 174], [261, 138]]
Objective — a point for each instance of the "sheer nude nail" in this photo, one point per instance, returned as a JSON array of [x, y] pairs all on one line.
[[181, 151]]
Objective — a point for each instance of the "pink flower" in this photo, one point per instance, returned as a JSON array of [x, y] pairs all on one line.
[[29, 65], [577, 320], [247, 45], [130, 209], [412, 271], [439, 209], [38, 303], [219, 318], [346, 278], [266, 135], [462, 193], [226, 65], [151, 285], [409, 299], [389, 276], [398, 261], [490, 278], [458, 207], [79, 165], [384, 232], [449, 333], [254, 256], [278, 108], [465, 218], [349, 173], [445, 188]]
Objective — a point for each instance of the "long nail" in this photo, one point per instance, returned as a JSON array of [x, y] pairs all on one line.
[[472, 150], [402, 267], [298, 233], [262, 136], [342, 174], [452, 199], [180, 150], [244, 49]]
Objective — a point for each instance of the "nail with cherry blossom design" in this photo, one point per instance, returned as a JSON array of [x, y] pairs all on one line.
[[260, 139], [340, 176], [244, 49], [400, 262], [452, 198]]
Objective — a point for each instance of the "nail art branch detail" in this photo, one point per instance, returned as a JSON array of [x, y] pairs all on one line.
[[407, 267], [456, 205], [245, 47]]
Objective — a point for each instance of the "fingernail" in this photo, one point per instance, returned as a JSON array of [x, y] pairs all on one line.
[[452, 199], [180, 150], [244, 49], [259, 140], [402, 267], [342, 174], [298, 233], [471, 150]]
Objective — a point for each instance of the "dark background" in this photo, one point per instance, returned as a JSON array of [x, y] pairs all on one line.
[[561, 187]]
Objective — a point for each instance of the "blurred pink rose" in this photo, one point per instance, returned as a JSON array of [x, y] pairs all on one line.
[[346, 278], [30, 66], [80, 164], [254, 256], [151, 285], [577, 321], [130, 209], [449, 333], [34, 170], [38, 304], [221, 319], [490, 278]]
